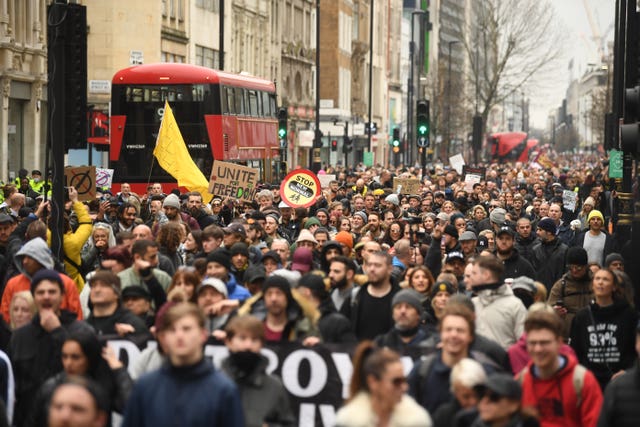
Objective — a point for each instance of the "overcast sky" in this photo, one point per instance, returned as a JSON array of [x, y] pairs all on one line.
[[579, 47]]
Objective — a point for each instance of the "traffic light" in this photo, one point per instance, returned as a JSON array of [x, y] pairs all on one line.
[[422, 122], [630, 132], [282, 122], [334, 145], [347, 145], [395, 140]]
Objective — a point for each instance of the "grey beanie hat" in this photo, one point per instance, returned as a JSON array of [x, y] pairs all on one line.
[[497, 216], [411, 297], [171, 201], [361, 214]]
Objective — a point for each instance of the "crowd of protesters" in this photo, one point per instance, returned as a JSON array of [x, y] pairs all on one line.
[[509, 295]]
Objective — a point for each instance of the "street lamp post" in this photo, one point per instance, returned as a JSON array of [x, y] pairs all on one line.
[[448, 145], [411, 88]]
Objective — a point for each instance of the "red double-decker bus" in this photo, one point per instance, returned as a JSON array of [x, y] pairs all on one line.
[[221, 116], [511, 146]]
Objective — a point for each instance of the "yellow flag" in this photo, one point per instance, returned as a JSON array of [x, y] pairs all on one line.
[[173, 156]]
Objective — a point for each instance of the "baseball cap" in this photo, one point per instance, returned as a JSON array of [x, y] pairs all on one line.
[[4, 218], [505, 229], [216, 284], [235, 227], [454, 255]]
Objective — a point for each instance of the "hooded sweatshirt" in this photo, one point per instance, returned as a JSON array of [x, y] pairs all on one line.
[[38, 250], [555, 398], [603, 340]]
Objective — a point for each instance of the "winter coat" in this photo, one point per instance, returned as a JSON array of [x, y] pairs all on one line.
[[36, 356], [548, 261], [264, 398], [334, 327], [358, 412], [500, 315], [116, 387], [72, 243], [393, 340], [194, 396], [516, 266], [620, 407], [604, 340], [575, 293], [555, 398], [106, 325], [302, 317], [525, 246], [37, 249], [235, 290]]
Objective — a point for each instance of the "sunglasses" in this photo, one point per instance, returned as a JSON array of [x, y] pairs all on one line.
[[398, 381]]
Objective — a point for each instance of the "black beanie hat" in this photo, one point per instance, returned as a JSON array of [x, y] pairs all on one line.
[[239, 248], [451, 231], [46, 274], [221, 256], [275, 281], [577, 256]]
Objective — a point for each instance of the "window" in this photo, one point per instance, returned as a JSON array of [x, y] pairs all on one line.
[[239, 95], [209, 5], [231, 100], [266, 105], [207, 57], [172, 8], [254, 109], [180, 10]]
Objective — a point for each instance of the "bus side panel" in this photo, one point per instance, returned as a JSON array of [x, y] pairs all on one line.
[[116, 133], [216, 138], [257, 137]]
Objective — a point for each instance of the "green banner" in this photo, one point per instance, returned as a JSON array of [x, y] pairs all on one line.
[[615, 164], [367, 158]]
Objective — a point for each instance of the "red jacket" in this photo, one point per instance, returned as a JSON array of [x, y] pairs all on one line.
[[555, 399]]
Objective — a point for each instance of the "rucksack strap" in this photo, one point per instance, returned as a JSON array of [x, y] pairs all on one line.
[[579, 373]]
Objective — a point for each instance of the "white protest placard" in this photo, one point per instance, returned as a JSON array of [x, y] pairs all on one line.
[[104, 177], [325, 179], [457, 162], [569, 200]]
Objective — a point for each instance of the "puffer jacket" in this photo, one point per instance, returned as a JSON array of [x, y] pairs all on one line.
[[500, 315], [548, 261]]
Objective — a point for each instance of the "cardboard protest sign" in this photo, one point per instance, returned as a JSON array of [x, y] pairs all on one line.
[[83, 178], [457, 162], [406, 185], [232, 180]]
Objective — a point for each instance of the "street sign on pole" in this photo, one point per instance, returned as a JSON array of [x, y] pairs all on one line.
[[422, 141]]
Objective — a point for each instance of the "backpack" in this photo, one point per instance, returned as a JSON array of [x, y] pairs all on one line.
[[579, 373]]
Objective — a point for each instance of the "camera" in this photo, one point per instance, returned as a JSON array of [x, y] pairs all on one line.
[[412, 220]]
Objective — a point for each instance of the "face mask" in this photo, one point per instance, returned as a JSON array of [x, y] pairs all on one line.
[[245, 360]]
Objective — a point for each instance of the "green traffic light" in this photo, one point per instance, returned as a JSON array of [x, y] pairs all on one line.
[[422, 129], [396, 143], [282, 133]]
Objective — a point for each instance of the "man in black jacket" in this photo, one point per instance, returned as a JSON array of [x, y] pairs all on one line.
[[35, 349], [369, 306], [108, 316], [514, 264], [548, 254], [407, 332], [333, 326]]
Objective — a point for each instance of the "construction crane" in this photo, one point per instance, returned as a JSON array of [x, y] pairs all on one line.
[[598, 39]]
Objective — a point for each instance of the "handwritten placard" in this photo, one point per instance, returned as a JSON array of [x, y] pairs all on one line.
[[406, 185], [232, 180]]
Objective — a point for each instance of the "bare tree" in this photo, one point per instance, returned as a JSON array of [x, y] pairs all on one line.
[[512, 45]]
